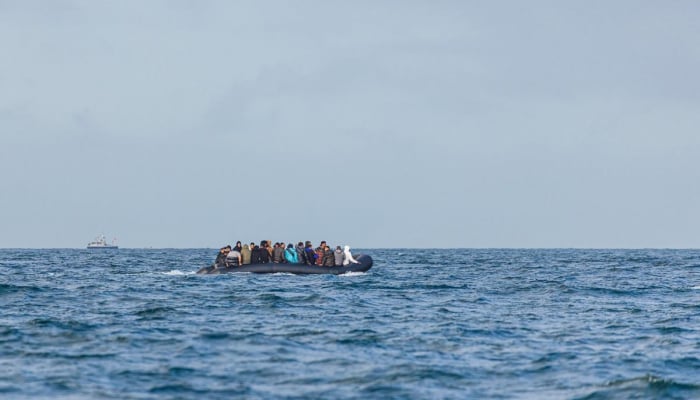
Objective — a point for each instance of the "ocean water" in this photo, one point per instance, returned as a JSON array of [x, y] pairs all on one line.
[[421, 324]]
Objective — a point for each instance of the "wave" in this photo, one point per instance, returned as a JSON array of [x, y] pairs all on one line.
[[467, 324], [8, 288], [177, 272], [155, 312], [215, 336], [351, 273], [72, 326], [647, 386]]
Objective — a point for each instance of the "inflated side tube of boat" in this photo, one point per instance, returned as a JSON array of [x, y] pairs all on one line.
[[365, 263]]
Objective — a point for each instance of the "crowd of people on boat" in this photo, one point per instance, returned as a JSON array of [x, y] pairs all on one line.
[[302, 253]]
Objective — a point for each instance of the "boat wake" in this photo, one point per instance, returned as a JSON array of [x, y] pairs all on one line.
[[177, 272], [353, 273]]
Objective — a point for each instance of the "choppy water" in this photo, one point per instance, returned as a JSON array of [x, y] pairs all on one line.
[[580, 324]]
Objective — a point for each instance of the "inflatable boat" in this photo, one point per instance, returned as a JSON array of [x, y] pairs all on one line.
[[365, 263]]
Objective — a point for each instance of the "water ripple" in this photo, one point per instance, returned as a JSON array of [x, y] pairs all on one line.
[[493, 323]]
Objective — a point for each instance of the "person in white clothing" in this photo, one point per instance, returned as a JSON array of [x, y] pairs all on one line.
[[233, 259], [348, 257]]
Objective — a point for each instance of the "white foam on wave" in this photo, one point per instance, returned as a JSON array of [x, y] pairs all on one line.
[[177, 272], [695, 287], [352, 273]]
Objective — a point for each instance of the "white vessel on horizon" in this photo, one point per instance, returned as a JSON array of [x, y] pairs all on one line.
[[100, 242]]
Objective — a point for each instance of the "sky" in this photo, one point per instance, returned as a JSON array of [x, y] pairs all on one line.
[[407, 124]]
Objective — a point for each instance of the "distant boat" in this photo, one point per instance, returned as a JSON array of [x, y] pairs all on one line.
[[100, 242]]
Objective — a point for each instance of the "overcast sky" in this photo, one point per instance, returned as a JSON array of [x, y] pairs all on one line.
[[372, 123]]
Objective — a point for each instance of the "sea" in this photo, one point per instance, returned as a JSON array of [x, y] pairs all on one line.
[[421, 324]]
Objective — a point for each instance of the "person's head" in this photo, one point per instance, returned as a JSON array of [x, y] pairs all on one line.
[[282, 245], [263, 243], [228, 247], [238, 243], [252, 244], [338, 248], [347, 248], [300, 244], [323, 243], [245, 246], [290, 246]]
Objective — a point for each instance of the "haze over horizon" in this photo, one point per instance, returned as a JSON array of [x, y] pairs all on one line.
[[192, 124]]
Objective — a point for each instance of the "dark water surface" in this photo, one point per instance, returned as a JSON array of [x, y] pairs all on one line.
[[432, 324]]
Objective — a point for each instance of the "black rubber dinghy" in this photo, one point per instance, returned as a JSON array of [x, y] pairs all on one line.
[[272, 268]]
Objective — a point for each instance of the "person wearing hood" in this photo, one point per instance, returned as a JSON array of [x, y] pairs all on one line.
[[310, 254], [291, 255], [301, 254], [348, 257], [259, 254], [245, 254], [265, 252], [255, 257]]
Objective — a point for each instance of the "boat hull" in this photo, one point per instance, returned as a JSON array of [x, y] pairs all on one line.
[[300, 269]]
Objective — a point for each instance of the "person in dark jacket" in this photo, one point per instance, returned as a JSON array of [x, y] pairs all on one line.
[[310, 254], [283, 246], [328, 258], [221, 257], [278, 254], [238, 247], [255, 255], [301, 254], [265, 255], [319, 253]]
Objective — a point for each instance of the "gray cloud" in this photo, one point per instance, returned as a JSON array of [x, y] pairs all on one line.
[[378, 124]]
